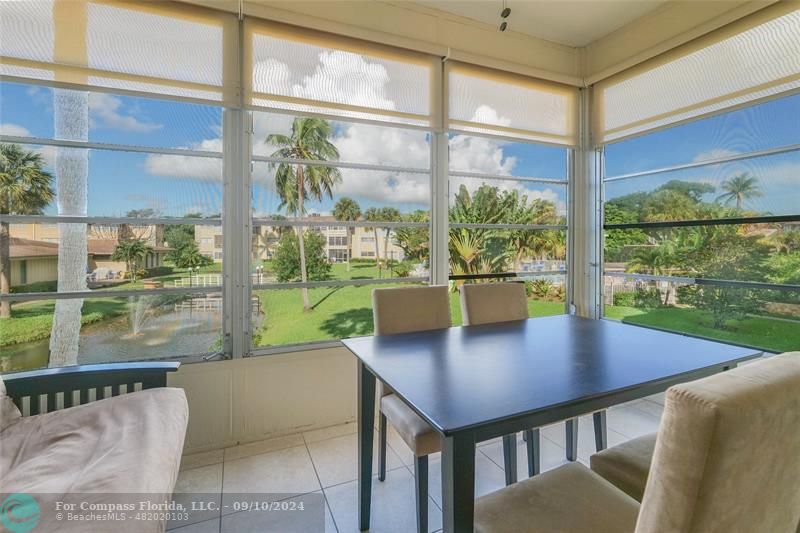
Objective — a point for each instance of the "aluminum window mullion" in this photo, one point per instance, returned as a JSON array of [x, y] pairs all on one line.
[[341, 164], [34, 296], [480, 175], [707, 162], [55, 219], [531, 227], [337, 283], [342, 223], [337, 118], [43, 141]]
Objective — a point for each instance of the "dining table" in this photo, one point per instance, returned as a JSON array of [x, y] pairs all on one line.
[[475, 383]]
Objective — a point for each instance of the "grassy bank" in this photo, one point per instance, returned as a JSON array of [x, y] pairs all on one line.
[[763, 332]]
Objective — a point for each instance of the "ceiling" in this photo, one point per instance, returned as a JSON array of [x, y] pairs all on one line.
[[570, 22]]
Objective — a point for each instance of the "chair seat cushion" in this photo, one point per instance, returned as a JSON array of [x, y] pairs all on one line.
[[126, 444], [569, 499], [627, 465], [417, 434]]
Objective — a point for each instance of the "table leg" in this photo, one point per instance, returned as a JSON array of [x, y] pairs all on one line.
[[458, 483], [534, 452], [572, 439], [600, 430], [510, 458], [366, 434]]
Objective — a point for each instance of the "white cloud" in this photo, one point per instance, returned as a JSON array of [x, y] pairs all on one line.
[[714, 153], [47, 152], [479, 154], [106, 112], [184, 166]]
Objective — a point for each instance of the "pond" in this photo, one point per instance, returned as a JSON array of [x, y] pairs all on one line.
[[168, 335]]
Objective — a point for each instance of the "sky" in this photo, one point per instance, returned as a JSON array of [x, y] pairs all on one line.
[[173, 185]]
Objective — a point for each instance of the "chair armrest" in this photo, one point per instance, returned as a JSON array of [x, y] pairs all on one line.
[[51, 381]]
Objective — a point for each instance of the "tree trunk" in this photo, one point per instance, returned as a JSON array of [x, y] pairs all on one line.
[[301, 242], [386, 248], [5, 268], [377, 251], [349, 247], [71, 111]]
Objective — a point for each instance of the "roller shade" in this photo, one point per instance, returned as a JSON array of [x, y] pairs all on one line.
[[753, 58], [288, 68], [482, 100], [154, 47]]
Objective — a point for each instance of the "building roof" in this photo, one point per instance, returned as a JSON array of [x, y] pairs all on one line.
[[21, 248]]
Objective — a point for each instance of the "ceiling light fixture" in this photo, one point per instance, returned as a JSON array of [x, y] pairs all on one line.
[[504, 15]]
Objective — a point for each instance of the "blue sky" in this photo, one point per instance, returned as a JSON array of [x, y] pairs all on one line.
[[175, 185]]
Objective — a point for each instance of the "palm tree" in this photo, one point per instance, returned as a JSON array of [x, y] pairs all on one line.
[[740, 188], [347, 210], [296, 182], [389, 214], [25, 189], [373, 214], [132, 251]]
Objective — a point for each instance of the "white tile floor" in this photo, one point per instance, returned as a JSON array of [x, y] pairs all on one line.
[[323, 463]]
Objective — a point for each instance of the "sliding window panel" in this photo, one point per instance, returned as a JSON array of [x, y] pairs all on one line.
[[153, 326], [491, 156], [102, 257], [766, 253], [339, 252], [383, 195], [767, 126], [763, 318], [352, 142], [506, 201], [123, 184], [336, 313], [758, 186], [115, 119]]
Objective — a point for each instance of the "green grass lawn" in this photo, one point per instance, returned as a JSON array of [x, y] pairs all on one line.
[[774, 335], [33, 321], [338, 312]]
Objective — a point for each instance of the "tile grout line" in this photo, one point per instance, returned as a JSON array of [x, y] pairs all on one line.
[[327, 508]]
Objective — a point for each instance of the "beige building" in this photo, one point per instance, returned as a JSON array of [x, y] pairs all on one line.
[[265, 239], [33, 250]]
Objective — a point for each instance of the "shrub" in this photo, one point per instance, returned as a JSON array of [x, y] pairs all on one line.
[[159, 271], [402, 269], [647, 297], [625, 299], [39, 286]]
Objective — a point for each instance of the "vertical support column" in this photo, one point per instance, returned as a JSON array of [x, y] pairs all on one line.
[[236, 232], [585, 219], [440, 265]]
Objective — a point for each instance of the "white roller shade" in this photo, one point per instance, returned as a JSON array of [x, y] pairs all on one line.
[[482, 100], [751, 59], [288, 68], [156, 47]]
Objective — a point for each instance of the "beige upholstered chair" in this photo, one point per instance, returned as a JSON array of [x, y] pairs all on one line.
[[485, 303], [725, 461], [403, 310]]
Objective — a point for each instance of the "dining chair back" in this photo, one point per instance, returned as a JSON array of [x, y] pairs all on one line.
[[727, 455]]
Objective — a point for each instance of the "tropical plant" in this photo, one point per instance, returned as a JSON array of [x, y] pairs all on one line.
[[740, 188], [296, 182], [347, 210], [190, 257], [25, 189], [131, 251], [373, 214], [389, 214], [414, 241], [286, 262]]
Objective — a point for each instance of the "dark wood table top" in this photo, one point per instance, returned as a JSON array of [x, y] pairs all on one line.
[[464, 377]]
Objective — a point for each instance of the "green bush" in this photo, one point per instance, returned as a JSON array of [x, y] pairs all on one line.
[[159, 271], [402, 269], [39, 286], [647, 298], [625, 299]]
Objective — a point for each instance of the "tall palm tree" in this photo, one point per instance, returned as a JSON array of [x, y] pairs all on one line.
[[740, 188], [25, 189], [347, 210], [389, 214], [373, 214], [296, 182]]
